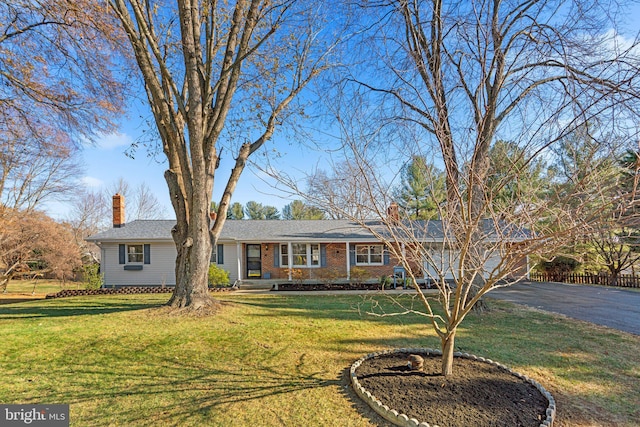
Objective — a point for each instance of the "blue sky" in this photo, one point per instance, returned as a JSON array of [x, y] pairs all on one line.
[[106, 160]]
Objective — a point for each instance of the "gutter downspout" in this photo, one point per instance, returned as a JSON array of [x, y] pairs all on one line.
[[290, 260], [348, 262], [239, 259]]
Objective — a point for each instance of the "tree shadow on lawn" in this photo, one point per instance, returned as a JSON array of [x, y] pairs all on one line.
[[169, 392], [14, 299], [69, 307]]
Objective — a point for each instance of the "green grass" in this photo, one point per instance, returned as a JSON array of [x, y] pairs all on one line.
[[273, 360], [40, 286]]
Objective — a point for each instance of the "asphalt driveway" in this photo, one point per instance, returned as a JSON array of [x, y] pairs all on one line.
[[613, 307]]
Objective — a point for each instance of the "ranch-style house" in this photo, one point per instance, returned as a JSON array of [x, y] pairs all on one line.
[[142, 252]]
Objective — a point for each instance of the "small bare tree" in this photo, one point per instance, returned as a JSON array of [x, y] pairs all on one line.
[[31, 174], [87, 216], [141, 202], [456, 78], [617, 241]]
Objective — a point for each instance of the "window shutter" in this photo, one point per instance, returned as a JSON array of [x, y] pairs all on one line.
[[276, 255], [323, 255], [220, 254], [122, 254], [352, 255], [386, 257], [147, 253]]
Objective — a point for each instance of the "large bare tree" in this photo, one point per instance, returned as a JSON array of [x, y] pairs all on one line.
[[217, 74], [58, 88], [57, 69]]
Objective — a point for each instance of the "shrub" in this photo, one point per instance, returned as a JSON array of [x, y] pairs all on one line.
[[358, 275], [297, 275], [92, 277], [218, 276], [385, 282], [408, 282], [559, 267], [329, 276]]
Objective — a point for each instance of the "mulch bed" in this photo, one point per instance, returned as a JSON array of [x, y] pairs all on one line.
[[335, 287], [477, 394]]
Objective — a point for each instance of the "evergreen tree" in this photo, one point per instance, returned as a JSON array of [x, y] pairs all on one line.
[[422, 189], [236, 211], [254, 210], [299, 210], [270, 212], [515, 178]]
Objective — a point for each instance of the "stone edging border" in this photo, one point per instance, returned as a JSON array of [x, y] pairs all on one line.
[[124, 290], [403, 420]]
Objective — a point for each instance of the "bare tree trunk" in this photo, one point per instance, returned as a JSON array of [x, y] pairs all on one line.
[[192, 289], [475, 286], [613, 277], [193, 247], [448, 346]]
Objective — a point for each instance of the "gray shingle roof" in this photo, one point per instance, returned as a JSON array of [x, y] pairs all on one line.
[[287, 230], [243, 230], [138, 230]]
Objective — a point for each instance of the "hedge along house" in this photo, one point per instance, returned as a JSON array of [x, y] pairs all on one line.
[[264, 252]]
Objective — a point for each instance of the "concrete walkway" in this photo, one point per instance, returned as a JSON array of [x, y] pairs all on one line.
[[616, 308]]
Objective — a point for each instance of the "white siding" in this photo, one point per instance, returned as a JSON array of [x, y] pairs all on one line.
[[160, 271], [440, 262], [447, 261], [491, 263], [230, 261]]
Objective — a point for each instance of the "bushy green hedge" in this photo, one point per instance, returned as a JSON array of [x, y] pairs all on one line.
[[218, 276]]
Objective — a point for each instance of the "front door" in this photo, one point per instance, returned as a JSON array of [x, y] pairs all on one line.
[[254, 262]]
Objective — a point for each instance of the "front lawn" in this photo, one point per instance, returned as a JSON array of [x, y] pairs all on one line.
[[273, 360], [38, 288]]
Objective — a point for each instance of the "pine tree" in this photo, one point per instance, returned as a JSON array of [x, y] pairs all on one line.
[[422, 189]]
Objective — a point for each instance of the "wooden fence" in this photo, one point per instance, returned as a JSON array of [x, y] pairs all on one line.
[[623, 280]]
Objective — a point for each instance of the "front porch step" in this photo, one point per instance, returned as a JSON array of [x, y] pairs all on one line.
[[257, 284]]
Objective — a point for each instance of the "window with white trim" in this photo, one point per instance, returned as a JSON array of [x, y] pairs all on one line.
[[302, 255], [135, 253], [369, 254], [217, 254]]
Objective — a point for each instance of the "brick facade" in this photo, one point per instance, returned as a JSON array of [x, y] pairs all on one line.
[[334, 268]]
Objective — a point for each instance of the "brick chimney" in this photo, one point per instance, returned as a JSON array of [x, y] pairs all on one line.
[[393, 213], [118, 210]]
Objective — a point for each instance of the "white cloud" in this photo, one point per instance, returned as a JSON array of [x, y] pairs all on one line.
[[114, 140], [91, 182]]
